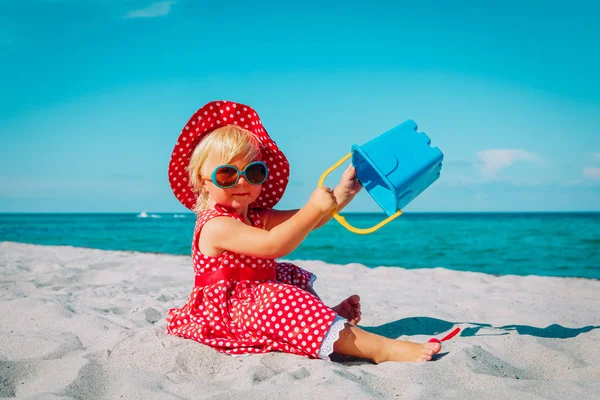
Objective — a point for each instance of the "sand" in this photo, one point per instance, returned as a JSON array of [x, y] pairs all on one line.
[[90, 324]]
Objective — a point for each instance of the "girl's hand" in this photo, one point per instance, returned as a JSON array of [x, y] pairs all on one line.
[[323, 199], [349, 185]]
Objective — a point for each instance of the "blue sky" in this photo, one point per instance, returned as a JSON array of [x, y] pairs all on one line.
[[95, 93]]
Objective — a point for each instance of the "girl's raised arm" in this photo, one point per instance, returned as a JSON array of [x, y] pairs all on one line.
[[224, 233]]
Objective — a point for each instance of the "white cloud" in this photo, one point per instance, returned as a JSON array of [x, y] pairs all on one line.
[[596, 155], [493, 160], [158, 9], [591, 172]]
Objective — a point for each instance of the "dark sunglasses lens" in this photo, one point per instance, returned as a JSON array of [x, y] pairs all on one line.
[[256, 173], [226, 176]]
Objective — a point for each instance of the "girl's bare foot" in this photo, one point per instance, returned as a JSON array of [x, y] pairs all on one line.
[[349, 309], [356, 342], [409, 351]]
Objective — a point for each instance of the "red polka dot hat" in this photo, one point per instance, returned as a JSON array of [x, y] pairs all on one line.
[[215, 115]]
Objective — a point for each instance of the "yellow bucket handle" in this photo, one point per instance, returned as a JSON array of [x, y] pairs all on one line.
[[341, 219]]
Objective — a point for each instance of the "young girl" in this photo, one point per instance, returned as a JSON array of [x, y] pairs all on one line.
[[227, 169]]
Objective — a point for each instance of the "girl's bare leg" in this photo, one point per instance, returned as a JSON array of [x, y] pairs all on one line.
[[356, 342]]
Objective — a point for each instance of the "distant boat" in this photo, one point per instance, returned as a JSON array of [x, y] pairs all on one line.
[[143, 215]]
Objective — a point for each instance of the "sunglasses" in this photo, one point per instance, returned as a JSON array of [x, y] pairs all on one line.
[[227, 176]]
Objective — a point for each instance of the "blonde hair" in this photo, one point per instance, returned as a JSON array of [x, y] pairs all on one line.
[[226, 143]]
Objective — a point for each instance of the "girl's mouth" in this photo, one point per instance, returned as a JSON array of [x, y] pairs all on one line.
[[241, 194]]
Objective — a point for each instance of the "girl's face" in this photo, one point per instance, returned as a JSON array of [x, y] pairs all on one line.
[[238, 197]]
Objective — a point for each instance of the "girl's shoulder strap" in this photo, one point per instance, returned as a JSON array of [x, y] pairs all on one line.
[[203, 217], [256, 216], [206, 215]]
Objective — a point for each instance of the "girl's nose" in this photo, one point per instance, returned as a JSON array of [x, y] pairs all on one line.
[[242, 180]]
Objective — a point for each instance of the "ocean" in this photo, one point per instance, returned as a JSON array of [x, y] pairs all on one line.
[[546, 244]]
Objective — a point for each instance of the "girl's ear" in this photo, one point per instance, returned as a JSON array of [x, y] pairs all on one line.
[[200, 177]]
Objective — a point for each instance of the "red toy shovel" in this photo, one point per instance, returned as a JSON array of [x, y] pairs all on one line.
[[447, 337]]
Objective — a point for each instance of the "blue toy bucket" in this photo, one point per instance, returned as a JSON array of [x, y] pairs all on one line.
[[394, 168]]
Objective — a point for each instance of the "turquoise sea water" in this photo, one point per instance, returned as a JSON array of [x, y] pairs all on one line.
[[553, 244]]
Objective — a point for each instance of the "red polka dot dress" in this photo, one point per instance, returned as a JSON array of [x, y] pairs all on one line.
[[241, 317]]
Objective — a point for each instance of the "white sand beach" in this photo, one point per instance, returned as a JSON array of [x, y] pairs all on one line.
[[90, 324]]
